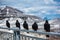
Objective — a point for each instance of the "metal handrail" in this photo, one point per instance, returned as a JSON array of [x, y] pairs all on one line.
[[30, 31], [46, 33]]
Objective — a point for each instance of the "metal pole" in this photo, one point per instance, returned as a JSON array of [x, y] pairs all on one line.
[[14, 35], [18, 35]]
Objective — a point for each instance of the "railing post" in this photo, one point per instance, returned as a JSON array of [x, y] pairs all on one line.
[[7, 38], [16, 36]]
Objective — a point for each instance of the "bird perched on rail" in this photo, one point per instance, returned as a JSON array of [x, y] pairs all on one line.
[[47, 27], [17, 24], [7, 24], [25, 25], [35, 26]]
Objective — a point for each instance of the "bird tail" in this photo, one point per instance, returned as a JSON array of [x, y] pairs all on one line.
[[9, 29], [27, 32]]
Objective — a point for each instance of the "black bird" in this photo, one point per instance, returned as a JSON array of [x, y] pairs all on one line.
[[35, 26], [47, 27], [25, 25], [7, 24], [17, 24]]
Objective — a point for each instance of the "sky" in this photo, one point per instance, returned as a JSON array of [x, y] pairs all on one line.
[[49, 9]]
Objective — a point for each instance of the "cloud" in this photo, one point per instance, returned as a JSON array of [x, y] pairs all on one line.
[[57, 0], [58, 11], [35, 7]]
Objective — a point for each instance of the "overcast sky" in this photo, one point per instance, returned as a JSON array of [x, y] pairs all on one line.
[[40, 8]]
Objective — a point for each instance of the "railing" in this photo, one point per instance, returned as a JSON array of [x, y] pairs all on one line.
[[24, 37], [27, 37]]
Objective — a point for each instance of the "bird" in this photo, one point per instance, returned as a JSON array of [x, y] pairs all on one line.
[[34, 26], [47, 27], [17, 24], [7, 24], [25, 25]]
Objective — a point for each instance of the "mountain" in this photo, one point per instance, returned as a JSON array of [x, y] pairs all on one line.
[[55, 25], [9, 11], [35, 18], [51, 16], [55, 21], [13, 12]]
